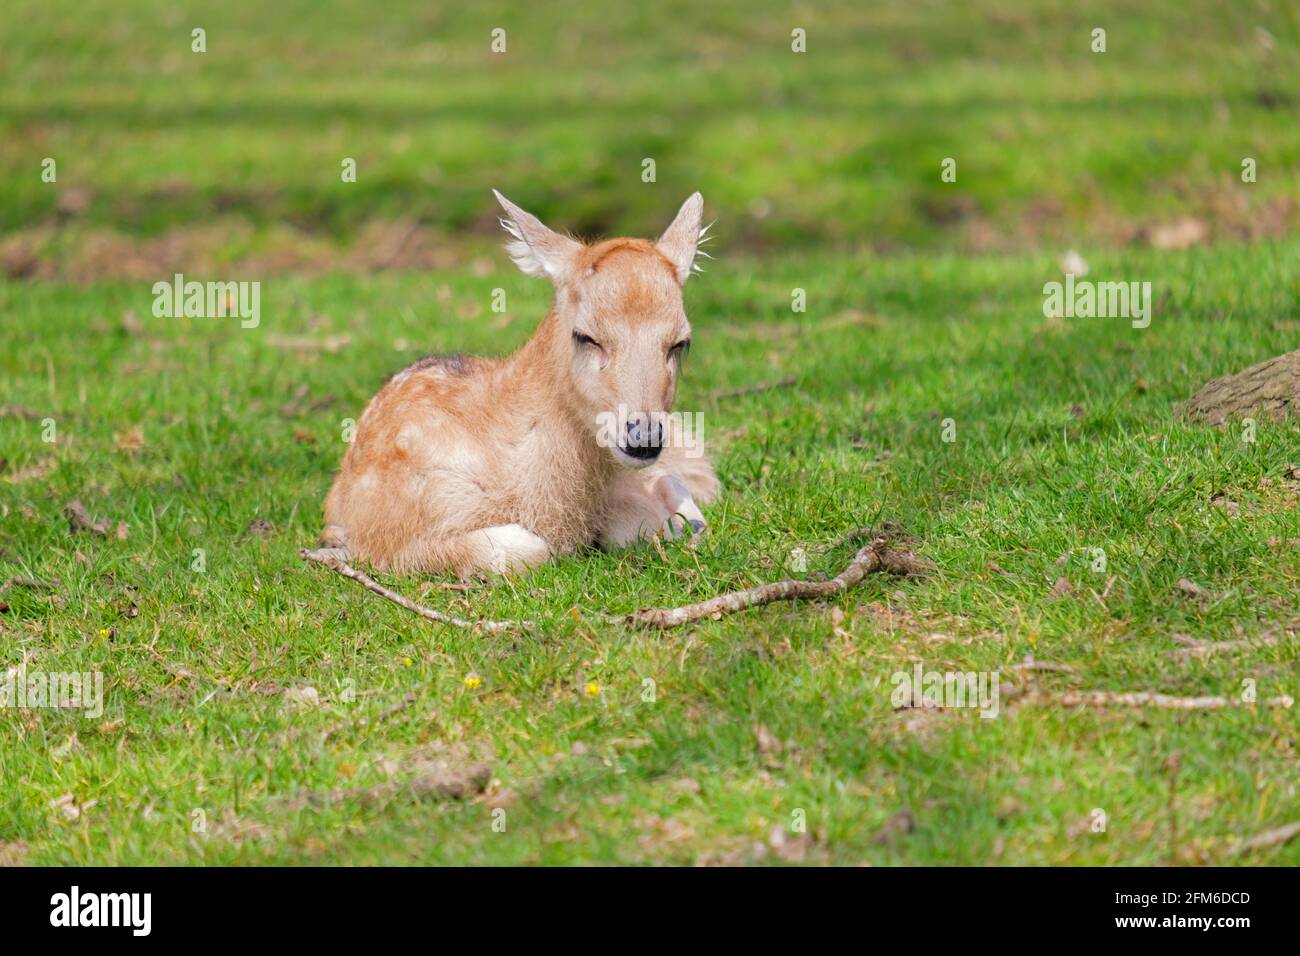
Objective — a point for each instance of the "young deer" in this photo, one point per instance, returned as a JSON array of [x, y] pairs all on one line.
[[477, 465]]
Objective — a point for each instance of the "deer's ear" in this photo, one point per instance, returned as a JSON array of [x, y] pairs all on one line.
[[536, 250], [680, 241]]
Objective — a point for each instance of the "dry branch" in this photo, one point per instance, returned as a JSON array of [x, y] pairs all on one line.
[[876, 556], [1278, 836], [370, 584], [1106, 698], [879, 555], [444, 783], [1192, 647]]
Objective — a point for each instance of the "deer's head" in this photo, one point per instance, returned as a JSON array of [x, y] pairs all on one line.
[[619, 331]]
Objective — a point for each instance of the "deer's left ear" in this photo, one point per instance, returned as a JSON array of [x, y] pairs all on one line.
[[536, 250], [680, 241]]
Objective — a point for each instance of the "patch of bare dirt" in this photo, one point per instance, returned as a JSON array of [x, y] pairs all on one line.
[[84, 254]]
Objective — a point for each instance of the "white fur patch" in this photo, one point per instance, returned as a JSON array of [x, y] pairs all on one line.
[[514, 547]]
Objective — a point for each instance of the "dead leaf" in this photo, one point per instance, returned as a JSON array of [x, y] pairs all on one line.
[[1179, 234], [131, 440], [79, 519], [768, 747], [12, 853], [900, 823], [38, 469], [74, 201], [67, 807], [18, 411], [304, 697], [1060, 589], [67, 747], [260, 528], [1222, 501], [792, 848]]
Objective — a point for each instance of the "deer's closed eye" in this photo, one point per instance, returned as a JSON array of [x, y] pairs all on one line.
[[680, 349], [582, 339]]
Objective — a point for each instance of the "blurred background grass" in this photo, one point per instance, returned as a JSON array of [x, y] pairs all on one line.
[[168, 158]]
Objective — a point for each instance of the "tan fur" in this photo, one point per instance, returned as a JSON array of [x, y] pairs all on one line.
[[474, 465]]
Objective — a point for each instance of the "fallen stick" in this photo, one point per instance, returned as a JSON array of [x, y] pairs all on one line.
[[1047, 667], [1198, 648], [1106, 698], [370, 584], [1278, 836], [457, 783], [18, 581], [876, 556]]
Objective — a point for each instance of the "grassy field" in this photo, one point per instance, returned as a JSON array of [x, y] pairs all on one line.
[[1065, 442], [211, 446], [235, 153]]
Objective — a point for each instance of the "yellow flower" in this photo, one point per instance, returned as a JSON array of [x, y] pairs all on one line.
[[104, 632], [593, 689], [473, 681]]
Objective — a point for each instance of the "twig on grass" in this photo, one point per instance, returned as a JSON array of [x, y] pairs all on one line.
[[441, 783], [1106, 698], [332, 562], [1278, 836], [879, 555], [18, 581], [876, 556], [1193, 647]]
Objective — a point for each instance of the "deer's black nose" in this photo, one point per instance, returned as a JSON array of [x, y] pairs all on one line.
[[644, 438]]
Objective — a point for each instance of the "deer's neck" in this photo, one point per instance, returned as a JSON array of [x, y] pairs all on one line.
[[559, 453]]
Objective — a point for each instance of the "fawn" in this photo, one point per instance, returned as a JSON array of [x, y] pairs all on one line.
[[488, 465]]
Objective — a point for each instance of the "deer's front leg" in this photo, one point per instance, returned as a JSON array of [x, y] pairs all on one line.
[[641, 505]]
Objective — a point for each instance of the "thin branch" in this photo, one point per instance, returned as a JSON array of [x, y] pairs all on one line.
[[1029, 665], [876, 556], [1193, 647], [1278, 836], [18, 581], [370, 584], [1106, 698]]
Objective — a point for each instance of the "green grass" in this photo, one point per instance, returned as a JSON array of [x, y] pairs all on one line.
[[885, 352], [840, 145], [924, 305]]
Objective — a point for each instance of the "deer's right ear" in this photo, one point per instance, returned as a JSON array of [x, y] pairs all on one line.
[[536, 250]]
